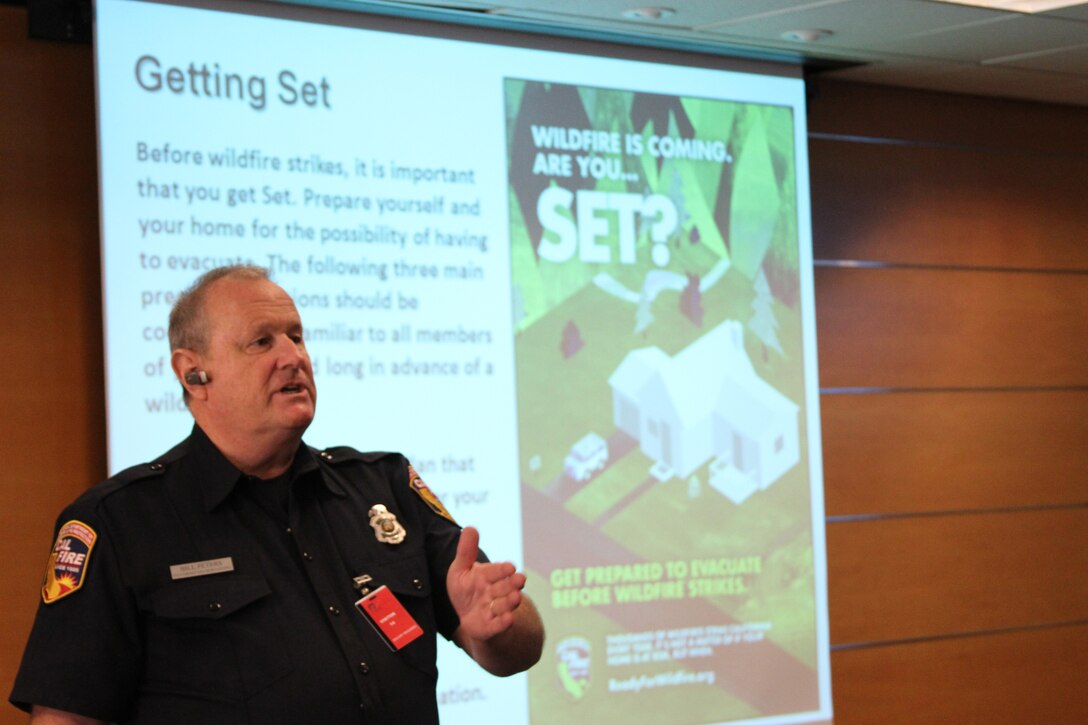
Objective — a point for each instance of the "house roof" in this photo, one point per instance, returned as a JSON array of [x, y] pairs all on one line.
[[637, 368], [711, 374], [753, 405]]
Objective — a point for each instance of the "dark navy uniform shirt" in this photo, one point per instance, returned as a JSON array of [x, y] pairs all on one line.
[[275, 640]]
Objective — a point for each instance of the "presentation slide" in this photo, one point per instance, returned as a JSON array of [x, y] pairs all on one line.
[[575, 290]]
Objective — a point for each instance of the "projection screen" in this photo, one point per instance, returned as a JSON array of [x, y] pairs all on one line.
[[574, 288]]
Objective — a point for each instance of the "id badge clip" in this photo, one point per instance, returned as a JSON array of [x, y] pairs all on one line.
[[389, 618]]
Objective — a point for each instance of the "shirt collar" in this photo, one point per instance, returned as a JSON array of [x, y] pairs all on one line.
[[217, 477]]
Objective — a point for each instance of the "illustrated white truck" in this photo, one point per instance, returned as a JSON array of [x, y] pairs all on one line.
[[586, 457]]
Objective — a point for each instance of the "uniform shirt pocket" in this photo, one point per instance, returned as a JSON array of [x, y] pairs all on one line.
[[217, 637], [409, 581]]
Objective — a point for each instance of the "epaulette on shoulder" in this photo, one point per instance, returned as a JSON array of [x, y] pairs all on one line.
[[138, 472], [127, 477], [343, 454], [142, 471]]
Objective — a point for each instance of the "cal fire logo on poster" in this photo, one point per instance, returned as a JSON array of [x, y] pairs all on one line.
[[573, 666], [68, 562]]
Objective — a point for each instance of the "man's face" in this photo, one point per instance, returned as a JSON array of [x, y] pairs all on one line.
[[261, 379]]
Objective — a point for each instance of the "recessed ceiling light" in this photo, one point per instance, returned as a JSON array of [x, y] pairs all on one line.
[[810, 35], [1017, 6], [648, 13]]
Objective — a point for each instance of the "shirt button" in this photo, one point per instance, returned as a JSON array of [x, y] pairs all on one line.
[[289, 530], [214, 606], [334, 611], [306, 556], [364, 668], [417, 583]]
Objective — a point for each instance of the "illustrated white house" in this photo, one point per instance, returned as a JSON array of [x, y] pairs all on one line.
[[707, 404]]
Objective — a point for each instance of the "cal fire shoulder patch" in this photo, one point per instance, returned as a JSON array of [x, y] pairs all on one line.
[[68, 561], [427, 494]]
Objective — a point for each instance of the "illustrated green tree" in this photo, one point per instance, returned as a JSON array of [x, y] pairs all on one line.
[[763, 323]]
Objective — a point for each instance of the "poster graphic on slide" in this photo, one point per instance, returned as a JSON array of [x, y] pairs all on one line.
[[666, 494]]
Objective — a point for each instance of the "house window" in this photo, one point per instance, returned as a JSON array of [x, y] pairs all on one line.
[[779, 444], [651, 426]]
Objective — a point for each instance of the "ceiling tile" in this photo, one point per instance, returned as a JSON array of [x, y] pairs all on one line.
[[1010, 35], [862, 23], [690, 13], [914, 43], [1076, 12], [1070, 61]]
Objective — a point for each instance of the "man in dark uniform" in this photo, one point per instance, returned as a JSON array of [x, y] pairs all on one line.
[[245, 577]]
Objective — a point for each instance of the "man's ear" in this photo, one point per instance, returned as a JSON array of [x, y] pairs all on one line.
[[185, 362]]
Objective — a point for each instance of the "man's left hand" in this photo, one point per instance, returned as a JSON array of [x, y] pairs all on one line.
[[483, 595], [499, 628]]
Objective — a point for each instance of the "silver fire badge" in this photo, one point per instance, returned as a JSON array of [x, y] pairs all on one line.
[[386, 527]]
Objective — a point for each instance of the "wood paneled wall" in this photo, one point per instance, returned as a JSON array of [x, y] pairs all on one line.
[[951, 238], [52, 416], [955, 413]]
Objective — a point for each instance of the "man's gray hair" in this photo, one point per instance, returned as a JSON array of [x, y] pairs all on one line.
[[188, 325]]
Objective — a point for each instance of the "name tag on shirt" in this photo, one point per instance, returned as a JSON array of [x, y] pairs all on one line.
[[201, 568], [389, 618]]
